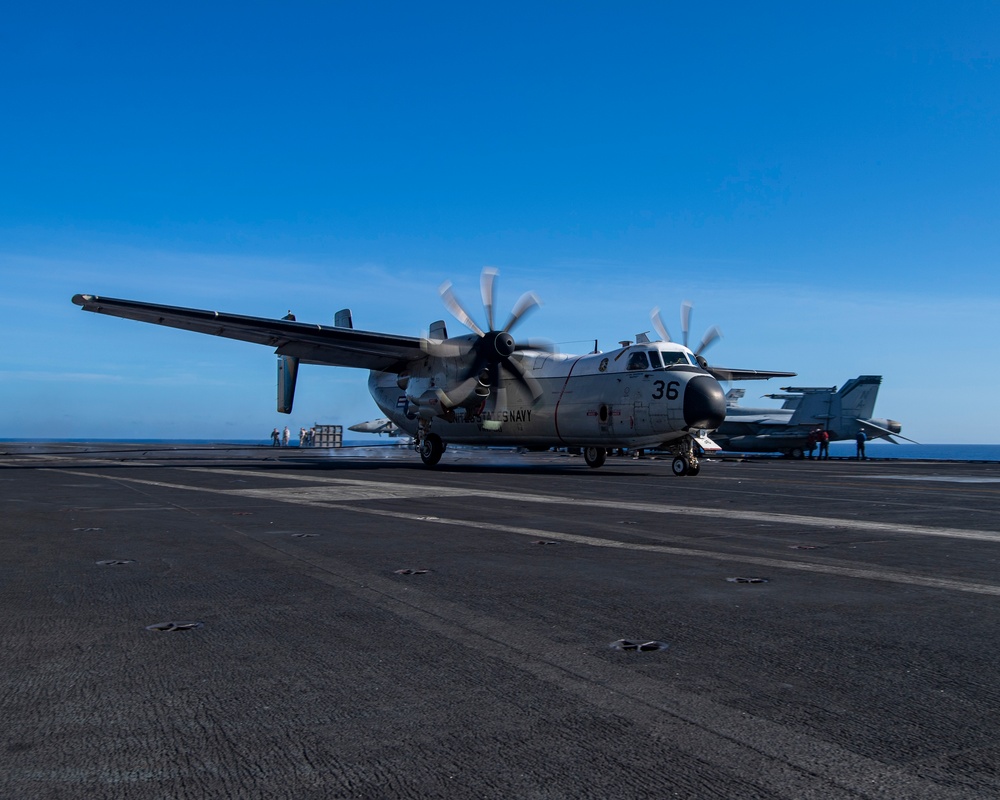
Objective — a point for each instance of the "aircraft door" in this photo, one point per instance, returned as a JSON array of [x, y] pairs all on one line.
[[640, 420], [606, 413]]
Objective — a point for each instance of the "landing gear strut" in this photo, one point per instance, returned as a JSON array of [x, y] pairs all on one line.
[[685, 458], [429, 445], [431, 448]]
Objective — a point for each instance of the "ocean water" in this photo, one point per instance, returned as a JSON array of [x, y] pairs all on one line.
[[374, 441], [878, 449], [931, 452]]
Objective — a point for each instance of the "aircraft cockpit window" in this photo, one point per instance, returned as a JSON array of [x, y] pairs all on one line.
[[675, 357], [637, 360], [654, 359]]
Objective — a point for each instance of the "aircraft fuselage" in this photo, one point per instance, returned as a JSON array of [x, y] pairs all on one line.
[[588, 400]]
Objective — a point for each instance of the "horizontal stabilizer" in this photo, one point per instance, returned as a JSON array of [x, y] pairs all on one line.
[[878, 432]]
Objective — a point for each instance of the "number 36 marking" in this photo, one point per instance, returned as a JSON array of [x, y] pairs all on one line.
[[671, 390]]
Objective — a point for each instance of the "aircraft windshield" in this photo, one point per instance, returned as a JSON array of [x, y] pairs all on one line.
[[656, 359], [637, 360], [675, 357]]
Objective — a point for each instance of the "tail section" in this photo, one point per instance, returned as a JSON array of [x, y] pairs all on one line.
[[840, 412], [857, 397], [814, 407]]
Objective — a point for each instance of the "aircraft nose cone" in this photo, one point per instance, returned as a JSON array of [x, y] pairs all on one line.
[[704, 403]]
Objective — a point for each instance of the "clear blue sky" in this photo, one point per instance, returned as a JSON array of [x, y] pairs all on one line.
[[822, 181]]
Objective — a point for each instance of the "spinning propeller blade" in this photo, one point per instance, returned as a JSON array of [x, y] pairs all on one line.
[[657, 320], [447, 348], [455, 307], [486, 283], [543, 345], [459, 394], [710, 337], [527, 302], [686, 320], [533, 385], [494, 348]]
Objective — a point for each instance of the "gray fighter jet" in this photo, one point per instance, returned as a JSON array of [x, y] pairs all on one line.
[[804, 409]]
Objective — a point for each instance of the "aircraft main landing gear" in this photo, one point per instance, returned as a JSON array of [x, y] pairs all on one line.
[[595, 456], [431, 448]]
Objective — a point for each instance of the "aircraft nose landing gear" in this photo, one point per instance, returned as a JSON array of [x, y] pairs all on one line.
[[685, 465], [685, 454]]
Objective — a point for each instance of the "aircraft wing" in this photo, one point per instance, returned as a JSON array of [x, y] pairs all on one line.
[[767, 422], [312, 344], [727, 374]]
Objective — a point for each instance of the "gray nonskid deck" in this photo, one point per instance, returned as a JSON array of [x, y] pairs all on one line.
[[370, 628]]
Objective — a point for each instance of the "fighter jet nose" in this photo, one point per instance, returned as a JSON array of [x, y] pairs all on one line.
[[704, 403]]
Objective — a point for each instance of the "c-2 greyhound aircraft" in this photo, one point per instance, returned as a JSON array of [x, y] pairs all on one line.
[[485, 388], [805, 408]]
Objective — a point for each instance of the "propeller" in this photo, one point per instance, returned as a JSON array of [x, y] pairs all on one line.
[[710, 337], [494, 349]]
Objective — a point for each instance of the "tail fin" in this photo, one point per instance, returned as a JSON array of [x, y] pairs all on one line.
[[838, 411], [857, 397]]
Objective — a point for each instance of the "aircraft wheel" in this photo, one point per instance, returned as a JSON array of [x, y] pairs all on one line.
[[797, 452], [680, 466], [594, 456], [694, 467], [431, 449]]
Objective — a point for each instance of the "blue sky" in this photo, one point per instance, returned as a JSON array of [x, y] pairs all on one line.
[[822, 182]]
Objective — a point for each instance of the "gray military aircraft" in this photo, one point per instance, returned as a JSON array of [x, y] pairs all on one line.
[[486, 388], [786, 430], [377, 426]]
